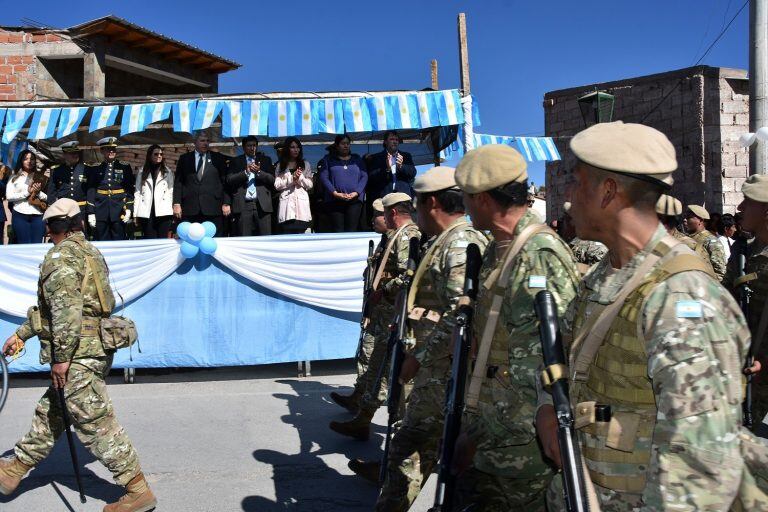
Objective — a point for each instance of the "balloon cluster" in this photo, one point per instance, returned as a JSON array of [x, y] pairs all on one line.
[[196, 238], [748, 139]]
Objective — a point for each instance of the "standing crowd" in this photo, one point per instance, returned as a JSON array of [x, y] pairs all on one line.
[[245, 195]]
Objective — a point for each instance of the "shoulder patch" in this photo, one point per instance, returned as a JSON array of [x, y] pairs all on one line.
[[55, 255], [688, 309], [461, 244], [537, 282]]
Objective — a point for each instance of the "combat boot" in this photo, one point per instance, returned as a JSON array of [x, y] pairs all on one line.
[[368, 470], [358, 428], [349, 402], [138, 498], [11, 472]]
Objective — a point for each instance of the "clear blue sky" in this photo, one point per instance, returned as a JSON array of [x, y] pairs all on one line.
[[518, 50]]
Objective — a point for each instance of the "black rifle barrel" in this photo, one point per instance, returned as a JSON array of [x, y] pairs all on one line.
[[454, 399], [744, 299], [70, 442], [367, 282], [554, 357]]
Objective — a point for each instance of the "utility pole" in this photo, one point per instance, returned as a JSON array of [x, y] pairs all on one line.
[[469, 142], [433, 73], [758, 83]]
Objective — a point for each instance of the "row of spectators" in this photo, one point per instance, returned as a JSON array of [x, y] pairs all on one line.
[[245, 195]]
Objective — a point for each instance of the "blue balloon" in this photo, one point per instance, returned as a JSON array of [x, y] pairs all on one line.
[[210, 228], [208, 245], [183, 230], [188, 250]]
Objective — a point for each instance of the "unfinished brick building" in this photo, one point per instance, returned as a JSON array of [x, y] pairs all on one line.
[[702, 109]]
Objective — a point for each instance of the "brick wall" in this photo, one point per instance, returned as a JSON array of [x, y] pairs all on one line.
[[704, 111], [20, 71]]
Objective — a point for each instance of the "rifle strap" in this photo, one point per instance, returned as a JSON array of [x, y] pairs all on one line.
[[497, 283], [385, 255], [97, 283]]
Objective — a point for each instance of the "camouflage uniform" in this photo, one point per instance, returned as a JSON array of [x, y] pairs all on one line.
[[587, 252], [70, 317], [690, 242], [382, 315], [438, 284], [675, 393], [509, 471], [710, 248], [757, 262]]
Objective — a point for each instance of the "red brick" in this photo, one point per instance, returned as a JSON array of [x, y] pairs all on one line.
[[5, 37], [16, 37], [7, 89], [13, 60], [28, 59], [6, 70], [54, 38], [38, 38], [20, 69]]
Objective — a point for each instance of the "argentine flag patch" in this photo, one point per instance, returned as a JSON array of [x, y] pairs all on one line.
[[688, 309], [537, 282]]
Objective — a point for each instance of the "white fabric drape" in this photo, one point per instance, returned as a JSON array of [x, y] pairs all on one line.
[[320, 270]]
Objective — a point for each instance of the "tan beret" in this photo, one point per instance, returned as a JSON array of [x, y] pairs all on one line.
[[378, 206], [392, 199], [699, 211], [756, 188], [489, 167], [669, 206], [436, 179], [63, 207], [634, 149]]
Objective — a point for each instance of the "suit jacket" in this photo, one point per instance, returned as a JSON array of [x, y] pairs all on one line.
[[380, 176], [237, 182], [201, 197]]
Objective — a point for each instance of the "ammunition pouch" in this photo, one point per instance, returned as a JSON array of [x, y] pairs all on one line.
[[118, 332], [35, 320]]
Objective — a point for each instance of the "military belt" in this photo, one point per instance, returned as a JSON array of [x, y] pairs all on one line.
[[90, 326], [82, 203], [111, 192]]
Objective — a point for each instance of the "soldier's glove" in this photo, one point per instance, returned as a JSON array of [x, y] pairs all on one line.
[[127, 216], [92, 220]]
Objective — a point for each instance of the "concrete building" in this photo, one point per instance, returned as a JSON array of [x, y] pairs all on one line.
[[703, 110], [103, 58]]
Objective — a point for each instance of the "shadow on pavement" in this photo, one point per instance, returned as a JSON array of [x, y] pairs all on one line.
[[304, 481]]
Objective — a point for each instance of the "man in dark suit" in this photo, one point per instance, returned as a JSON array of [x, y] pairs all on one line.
[[251, 180], [199, 191], [109, 191], [389, 171]]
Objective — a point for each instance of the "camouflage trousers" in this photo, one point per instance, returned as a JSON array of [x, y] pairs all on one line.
[[93, 419], [373, 384], [414, 448], [478, 490], [370, 359]]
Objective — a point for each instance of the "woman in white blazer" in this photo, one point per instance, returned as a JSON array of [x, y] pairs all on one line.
[[153, 202]]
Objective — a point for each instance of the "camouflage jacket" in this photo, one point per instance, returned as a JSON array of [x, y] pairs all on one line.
[[757, 262], [68, 311], [587, 252], [709, 247], [503, 427], [690, 242], [695, 338], [436, 290], [397, 262]]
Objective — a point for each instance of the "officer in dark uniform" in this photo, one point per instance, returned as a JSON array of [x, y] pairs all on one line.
[[68, 179], [110, 187]]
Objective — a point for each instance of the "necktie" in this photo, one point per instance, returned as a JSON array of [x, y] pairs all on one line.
[[251, 192], [200, 167]]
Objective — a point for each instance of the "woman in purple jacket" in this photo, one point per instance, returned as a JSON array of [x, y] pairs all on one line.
[[344, 176]]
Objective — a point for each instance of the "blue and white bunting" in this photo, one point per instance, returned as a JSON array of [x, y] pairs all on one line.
[[2, 116], [206, 113], [449, 107], [306, 122], [381, 115], [43, 124], [357, 117], [9, 152], [183, 115], [533, 149], [132, 120], [279, 119], [405, 111], [15, 119], [428, 115], [232, 119], [103, 117], [330, 116], [155, 112], [255, 118], [69, 120], [550, 148]]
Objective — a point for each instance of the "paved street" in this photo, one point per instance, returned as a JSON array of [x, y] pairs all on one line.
[[247, 439]]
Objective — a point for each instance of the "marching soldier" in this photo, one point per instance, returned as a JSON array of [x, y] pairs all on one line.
[[110, 186], [500, 463], [73, 296], [707, 244], [657, 344], [669, 209], [350, 402], [387, 283], [754, 209], [436, 288]]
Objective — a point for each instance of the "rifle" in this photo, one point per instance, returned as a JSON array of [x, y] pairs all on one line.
[[555, 377], [367, 282], [454, 399], [745, 293], [396, 352]]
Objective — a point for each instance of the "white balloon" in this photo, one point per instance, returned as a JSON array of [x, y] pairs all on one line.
[[196, 232], [747, 139], [762, 134]]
